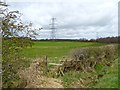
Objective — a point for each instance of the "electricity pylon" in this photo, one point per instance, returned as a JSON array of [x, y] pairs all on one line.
[[52, 27]]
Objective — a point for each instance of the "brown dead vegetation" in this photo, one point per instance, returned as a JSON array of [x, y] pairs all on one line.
[[34, 76], [86, 59]]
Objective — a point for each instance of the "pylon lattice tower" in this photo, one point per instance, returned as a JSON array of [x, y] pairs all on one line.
[[52, 27]]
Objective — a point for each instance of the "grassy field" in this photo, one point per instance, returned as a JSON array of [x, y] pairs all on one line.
[[54, 50]]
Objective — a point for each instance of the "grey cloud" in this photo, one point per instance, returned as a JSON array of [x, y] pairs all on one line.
[[82, 18]]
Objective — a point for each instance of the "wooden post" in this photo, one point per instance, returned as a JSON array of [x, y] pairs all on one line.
[[46, 64]]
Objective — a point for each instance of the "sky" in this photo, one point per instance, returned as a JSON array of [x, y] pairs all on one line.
[[75, 19]]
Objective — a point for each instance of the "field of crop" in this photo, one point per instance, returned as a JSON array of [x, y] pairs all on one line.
[[54, 50]]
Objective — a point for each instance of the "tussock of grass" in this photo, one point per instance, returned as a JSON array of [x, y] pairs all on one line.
[[70, 77]]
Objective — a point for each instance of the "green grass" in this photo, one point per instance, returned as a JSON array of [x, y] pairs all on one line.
[[110, 79], [54, 50], [70, 77]]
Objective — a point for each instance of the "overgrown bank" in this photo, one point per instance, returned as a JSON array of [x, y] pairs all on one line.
[[89, 65], [85, 68]]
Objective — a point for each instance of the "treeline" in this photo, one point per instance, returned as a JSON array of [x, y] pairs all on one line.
[[74, 40], [100, 40], [109, 40]]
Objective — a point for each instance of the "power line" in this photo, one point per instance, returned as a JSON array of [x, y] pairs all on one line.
[[53, 36]]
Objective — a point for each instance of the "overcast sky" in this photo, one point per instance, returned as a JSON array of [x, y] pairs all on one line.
[[75, 19]]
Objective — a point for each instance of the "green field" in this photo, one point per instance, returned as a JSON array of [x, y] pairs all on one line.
[[54, 50]]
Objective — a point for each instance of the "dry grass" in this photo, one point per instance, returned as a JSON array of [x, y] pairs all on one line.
[[35, 76]]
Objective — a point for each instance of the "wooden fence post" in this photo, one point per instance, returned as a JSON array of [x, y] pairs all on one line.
[[46, 64]]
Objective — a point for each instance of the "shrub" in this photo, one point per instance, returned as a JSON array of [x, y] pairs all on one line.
[[110, 51], [80, 54], [12, 45], [92, 57], [12, 62]]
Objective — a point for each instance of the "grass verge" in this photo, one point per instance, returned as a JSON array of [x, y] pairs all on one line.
[[110, 79]]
